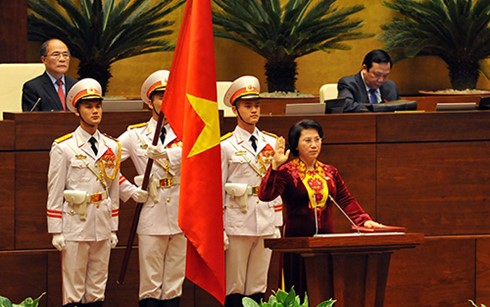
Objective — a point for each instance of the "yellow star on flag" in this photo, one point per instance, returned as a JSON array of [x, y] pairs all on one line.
[[208, 111]]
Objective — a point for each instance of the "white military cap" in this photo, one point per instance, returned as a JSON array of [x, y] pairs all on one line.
[[86, 88], [156, 81], [245, 87]]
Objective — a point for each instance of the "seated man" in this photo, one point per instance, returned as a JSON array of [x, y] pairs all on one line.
[[370, 85], [47, 92]]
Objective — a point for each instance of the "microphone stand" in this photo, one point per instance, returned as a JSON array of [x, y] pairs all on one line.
[[313, 200], [345, 214], [35, 104]]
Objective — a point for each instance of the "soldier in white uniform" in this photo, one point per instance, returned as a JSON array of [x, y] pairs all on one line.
[[162, 244], [83, 199], [246, 154]]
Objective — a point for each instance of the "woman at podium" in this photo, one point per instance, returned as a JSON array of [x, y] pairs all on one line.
[[307, 187]]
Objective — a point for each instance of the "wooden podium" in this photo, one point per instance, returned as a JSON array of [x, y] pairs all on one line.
[[351, 268]]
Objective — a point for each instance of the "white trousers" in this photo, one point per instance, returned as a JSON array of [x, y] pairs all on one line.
[[247, 265], [162, 265], [85, 268]]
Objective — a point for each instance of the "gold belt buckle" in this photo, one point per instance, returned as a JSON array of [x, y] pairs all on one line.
[[95, 198], [255, 189], [165, 182]]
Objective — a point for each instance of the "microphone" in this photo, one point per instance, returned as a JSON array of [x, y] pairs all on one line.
[[35, 104], [345, 214]]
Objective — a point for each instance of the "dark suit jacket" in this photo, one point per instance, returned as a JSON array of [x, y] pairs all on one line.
[[42, 87], [354, 90]]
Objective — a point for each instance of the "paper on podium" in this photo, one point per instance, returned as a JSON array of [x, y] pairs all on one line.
[[385, 228]]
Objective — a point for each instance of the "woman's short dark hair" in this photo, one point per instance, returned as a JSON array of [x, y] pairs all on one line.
[[295, 132]]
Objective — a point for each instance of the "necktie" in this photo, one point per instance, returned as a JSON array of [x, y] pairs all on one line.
[[163, 134], [92, 141], [253, 140], [372, 96], [61, 94]]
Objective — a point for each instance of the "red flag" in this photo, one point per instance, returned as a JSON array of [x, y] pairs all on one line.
[[191, 109]]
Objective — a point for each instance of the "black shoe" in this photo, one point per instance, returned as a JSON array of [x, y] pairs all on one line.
[[257, 297], [149, 302], [173, 302], [93, 304], [234, 300]]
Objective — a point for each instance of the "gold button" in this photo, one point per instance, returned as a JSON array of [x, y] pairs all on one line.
[[72, 212], [168, 199]]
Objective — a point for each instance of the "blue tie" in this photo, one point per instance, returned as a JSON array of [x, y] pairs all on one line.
[[372, 96]]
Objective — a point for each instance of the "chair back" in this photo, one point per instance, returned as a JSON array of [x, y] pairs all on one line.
[[328, 91]]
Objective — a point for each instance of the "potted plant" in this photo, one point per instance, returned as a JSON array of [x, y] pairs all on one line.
[[475, 305], [99, 34], [284, 299], [457, 31], [28, 302], [281, 34]]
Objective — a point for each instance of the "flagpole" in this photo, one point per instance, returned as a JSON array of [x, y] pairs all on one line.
[[139, 206]]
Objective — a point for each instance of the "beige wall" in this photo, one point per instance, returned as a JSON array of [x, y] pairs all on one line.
[[233, 60]]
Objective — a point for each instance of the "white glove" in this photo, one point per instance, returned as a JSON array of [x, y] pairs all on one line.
[[156, 152], [114, 240], [226, 240], [140, 196], [277, 233], [58, 241]]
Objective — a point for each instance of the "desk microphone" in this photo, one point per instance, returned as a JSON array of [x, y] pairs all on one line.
[[35, 105], [345, 214]]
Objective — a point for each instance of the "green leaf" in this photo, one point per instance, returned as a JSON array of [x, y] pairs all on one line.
[[248, 302], [28, 302]]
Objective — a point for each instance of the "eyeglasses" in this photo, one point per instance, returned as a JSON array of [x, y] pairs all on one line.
[[58, 55], [309, 141]]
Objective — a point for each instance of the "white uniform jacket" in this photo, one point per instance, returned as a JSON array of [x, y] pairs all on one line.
[[73, 166], [159, 218], [240, 164]]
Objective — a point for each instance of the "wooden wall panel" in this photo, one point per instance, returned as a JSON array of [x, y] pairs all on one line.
[[429, 185], [8, 134], [482, 294], [31, 132], [13, 36], [433, 126], [435, 188], [439, 272], [7, 200], [23, 274], [30, 198]]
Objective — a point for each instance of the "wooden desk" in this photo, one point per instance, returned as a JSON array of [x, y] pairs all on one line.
[[426, 171]]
